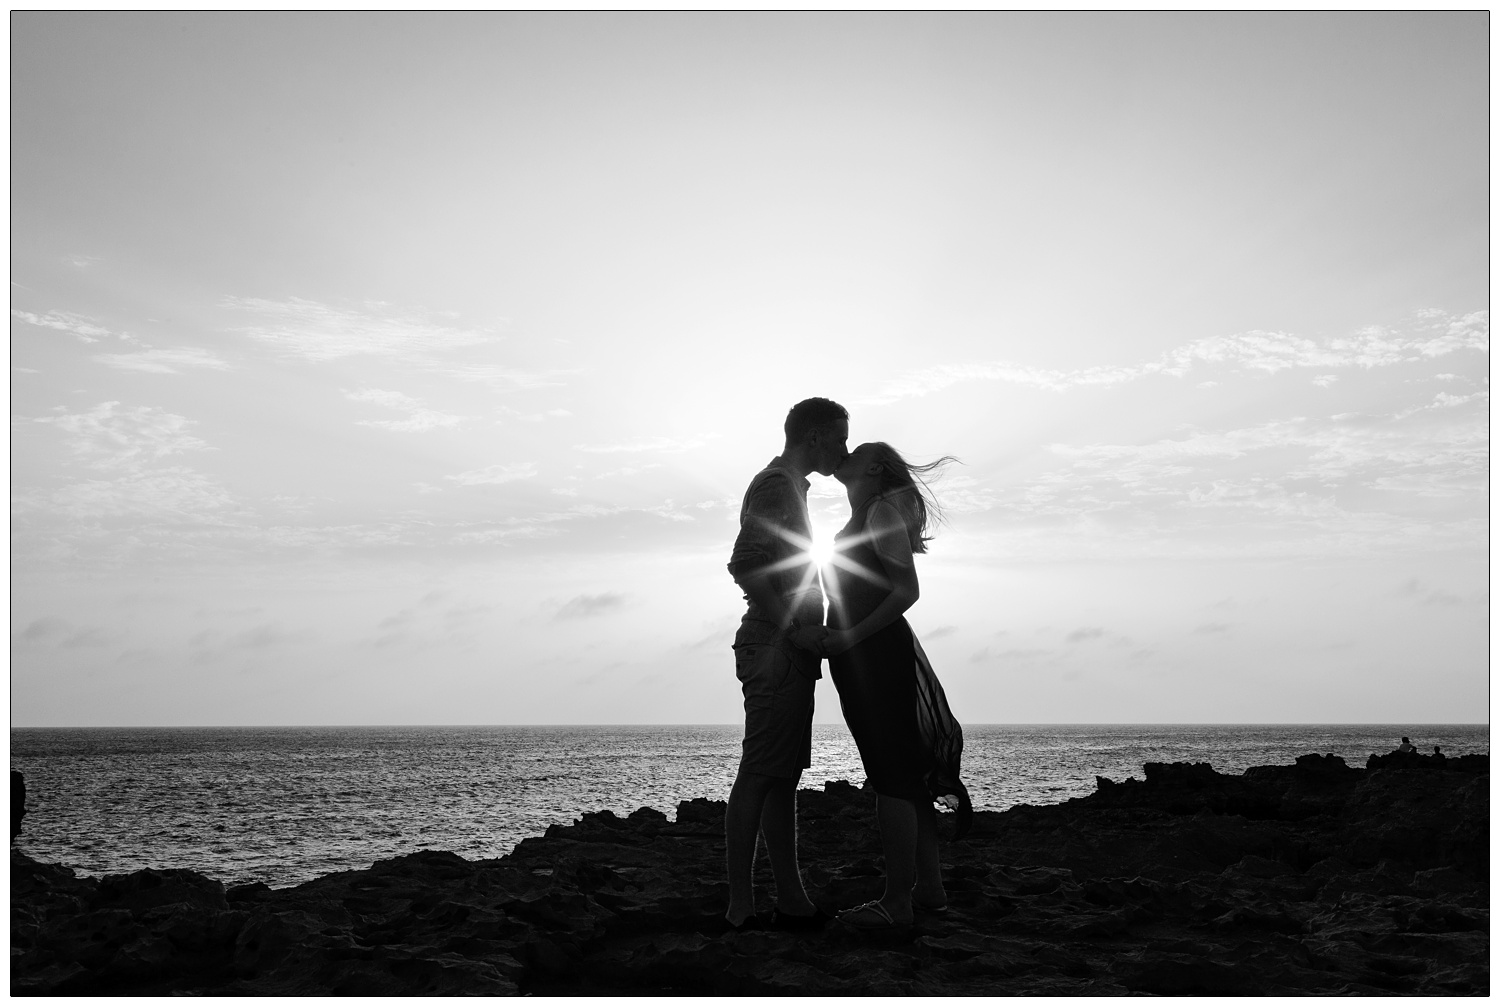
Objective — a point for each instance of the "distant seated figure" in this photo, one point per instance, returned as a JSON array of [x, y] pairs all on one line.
[[1437, 752], [1406, 745]]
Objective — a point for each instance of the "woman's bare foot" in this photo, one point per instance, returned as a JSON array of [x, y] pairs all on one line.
[[930, 900], [874, 916]]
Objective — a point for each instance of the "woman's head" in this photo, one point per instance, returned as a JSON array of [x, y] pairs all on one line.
[[876, 469]]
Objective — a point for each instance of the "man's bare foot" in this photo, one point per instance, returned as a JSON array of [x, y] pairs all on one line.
[[736, 917]]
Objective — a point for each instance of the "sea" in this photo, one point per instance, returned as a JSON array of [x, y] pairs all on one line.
[[283, 805]]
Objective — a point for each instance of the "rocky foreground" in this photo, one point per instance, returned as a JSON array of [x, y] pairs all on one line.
[[1316, 878]]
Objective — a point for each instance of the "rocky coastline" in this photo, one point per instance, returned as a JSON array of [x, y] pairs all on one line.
[[1315, 878]]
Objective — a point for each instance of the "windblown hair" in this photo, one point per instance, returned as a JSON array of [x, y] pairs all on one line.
[[812, 414], [902, 485]]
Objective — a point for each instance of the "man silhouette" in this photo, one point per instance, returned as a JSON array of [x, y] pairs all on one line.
[[776, 661]]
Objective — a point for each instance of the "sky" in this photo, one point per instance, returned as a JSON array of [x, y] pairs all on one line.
[[410, 368]]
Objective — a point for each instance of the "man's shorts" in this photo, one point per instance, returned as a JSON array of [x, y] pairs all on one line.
[[778, 711]]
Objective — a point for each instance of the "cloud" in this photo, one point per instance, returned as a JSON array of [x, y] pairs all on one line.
[[1211, 628], [1085, 633], [1381, 452], [1437, 334], [668, 510], [1014, 654], [505, 378], [668, 445], [177, 494], [1414, 588], [320, 332], [172, 361], [213, 645], [533, 527], [587, 605], [111, 436], [495, 474], [629, 470], [125, 447], [64, 321], [61, 633], [418, 418], [45, 628]]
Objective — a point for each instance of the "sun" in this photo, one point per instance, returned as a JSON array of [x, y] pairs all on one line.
[[821, 550]]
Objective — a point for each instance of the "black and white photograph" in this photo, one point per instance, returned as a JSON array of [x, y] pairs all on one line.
[[749, 503]]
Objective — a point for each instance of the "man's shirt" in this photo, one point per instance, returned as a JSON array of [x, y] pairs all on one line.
[[775, 532]]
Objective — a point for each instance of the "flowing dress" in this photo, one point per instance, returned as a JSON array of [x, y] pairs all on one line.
[[907, 737]]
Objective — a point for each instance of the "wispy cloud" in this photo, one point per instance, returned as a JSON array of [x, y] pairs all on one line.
[[174, 494], [418, 416], [1434, 334], [670, 511], [125, 448], [83, 327], [323, 332], [629, 470], [505, 378], [536, 417], [665, 445], [164, 361], [111, 436], [495, 474], [586, 605], [1329, 450], [1348, 484], [533, 526]]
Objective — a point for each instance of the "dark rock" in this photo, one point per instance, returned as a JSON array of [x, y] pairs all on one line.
[[1311, 879], [1476, 764], [17, 801]]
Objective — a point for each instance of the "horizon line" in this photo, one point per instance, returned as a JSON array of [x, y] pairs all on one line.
[[1017, 723]]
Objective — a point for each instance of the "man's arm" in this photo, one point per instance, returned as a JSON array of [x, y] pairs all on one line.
[[767, 510], [758, 587]]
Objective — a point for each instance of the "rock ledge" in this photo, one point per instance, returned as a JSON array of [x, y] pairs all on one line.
[[1316, 878]]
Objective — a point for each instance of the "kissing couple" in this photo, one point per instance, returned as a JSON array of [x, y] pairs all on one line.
[[893, 705]]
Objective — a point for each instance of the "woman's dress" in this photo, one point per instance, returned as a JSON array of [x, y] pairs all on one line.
[[893, 703]]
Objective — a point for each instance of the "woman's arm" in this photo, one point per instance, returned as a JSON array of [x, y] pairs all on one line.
[[893, 545]]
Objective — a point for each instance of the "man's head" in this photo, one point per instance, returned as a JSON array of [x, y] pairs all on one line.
[[818, 430]]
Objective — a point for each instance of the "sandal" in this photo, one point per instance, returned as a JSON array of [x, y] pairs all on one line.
[[875, 917]]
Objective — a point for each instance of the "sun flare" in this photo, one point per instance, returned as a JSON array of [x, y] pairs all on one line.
[[821, 550]]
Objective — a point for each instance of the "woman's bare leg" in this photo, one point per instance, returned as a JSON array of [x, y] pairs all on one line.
[[928, 891], [898, 841]]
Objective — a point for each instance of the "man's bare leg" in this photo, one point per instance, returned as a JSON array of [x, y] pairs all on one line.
[[778, 824], [741, 825], [762, 805]]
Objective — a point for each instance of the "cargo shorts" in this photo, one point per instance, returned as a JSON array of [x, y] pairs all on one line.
[[778, 685]]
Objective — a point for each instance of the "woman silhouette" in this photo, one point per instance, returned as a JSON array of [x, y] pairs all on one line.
[[894, 707]]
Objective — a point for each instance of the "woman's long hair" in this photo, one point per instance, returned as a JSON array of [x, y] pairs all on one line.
[[901, 484]]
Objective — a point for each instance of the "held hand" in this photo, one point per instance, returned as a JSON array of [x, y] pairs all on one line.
[[809, 638], [836, 642]]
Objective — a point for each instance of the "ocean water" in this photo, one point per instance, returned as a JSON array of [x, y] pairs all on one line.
[[284, 805]]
